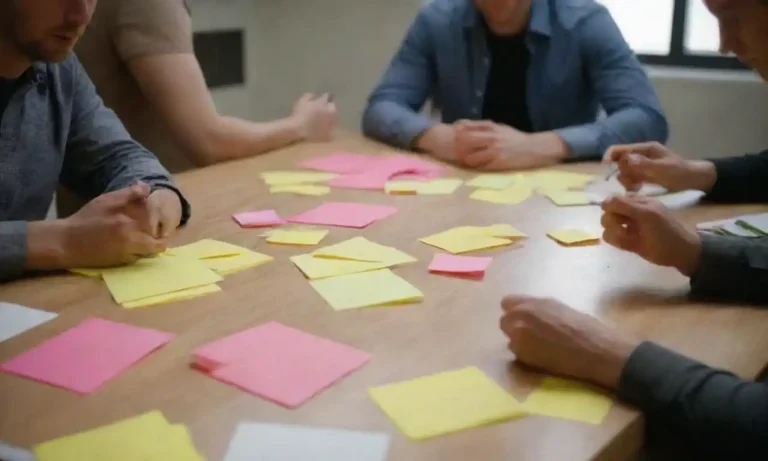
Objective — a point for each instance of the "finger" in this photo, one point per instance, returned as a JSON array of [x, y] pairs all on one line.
[[168, 224], [628, 207], [629, 182], [145, 245], [620, 239], [122, 197], [154, 215], [646, 149], [480, 125], [323, 98], [306, 97], [479, 158], [615, 222], [510, 302]]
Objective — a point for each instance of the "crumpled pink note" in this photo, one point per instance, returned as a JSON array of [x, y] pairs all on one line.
[[463, 266], [263, 218]]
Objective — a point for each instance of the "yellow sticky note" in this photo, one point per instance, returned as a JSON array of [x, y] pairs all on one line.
[[496, 181], [294, 237], [179, 446], [208, 248], [566, 399], [505, 231], [232, 264], [301, 189], [156, 276], [442, 186], [445, 402], [567, 197], [574, 236], [401, 187], [463, 240], [95, 273], [181, 295], [320, 268], [362, 249], [285, 178], [140, 437], [297, 227], [367, 289], [554, 179], [517, 193]]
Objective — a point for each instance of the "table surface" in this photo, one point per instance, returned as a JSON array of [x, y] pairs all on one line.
[[455, 326]]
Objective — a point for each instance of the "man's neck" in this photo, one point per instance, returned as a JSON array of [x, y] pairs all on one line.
[[12, 62]]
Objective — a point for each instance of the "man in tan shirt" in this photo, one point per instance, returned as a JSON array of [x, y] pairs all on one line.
[[139, 55]]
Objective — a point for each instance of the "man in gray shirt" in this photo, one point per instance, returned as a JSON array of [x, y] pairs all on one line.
[[54, 127]]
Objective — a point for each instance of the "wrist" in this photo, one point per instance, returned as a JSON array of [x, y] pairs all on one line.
[[611, 362], [551, 146], [433, 138], [703, 175], [690, 254], [47, 247], [296, 128]]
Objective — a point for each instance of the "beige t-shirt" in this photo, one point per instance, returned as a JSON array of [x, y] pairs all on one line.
[[122, 30]]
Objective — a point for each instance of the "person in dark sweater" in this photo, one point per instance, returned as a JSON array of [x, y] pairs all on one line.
[[519, 84]]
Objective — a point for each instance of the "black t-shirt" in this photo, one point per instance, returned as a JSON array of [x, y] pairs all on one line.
[[7, 89], [506, 99]]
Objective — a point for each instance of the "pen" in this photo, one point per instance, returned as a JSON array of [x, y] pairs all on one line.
[[612, 169]]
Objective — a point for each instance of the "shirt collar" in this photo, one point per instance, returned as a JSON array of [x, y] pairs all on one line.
[[539, 22]]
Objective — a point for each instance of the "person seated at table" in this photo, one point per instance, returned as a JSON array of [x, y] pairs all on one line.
[[519, 84], [54, 127], [139, 55]]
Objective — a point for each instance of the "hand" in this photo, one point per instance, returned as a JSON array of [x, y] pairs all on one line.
[[164, 208], [551, 336], [647, 228], [117, 227], [315, 117], [653, 163], [489, 146], [438, 141]]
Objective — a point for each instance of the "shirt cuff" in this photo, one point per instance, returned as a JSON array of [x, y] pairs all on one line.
[[730, 173], [583, 142], [717, 254], [186, 208], [647, 375], [13, 249], [407, 131]]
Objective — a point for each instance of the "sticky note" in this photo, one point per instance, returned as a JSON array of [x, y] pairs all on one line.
[[421, 176], [463, 240], [362, 249], [367, 289], [506, 231], [178, 445], [257, 441], [757, 224], [357, 215], [444, 186], [157, 276], [95, 273], [567, 197], [320, 268], [207, 248], [279, 363], [445, 402], [263, 218], [340, 162], [302, 238], [465, 266], [402, 187], [365, 181], [301, 189], [16, 319], [232, 264], [181, 295], [566, 399], [513, 195], [574, 237], [405, 164], [268, 232], [492, 181], [85, 357], [554, 179], [284, 178]]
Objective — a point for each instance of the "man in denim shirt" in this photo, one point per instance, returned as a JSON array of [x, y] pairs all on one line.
[[53, 127], [519, 84]]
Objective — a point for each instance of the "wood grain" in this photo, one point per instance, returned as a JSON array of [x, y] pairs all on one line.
[[455, 326]]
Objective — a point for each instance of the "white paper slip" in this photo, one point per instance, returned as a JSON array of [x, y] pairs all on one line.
[[682, 199], [278, 442], [15, 319]]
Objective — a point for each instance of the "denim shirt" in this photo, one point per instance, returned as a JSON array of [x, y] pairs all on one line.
[[579, 64], [56, 129]]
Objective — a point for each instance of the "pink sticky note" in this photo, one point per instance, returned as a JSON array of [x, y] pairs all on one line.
[[264, 218], [85, 357], [465, 266], [407, 164], [340, 214], [366, 181], [279, 363], [341, 162], [426, 176]]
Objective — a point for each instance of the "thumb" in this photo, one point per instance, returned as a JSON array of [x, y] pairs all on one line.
[[643, 168], [509, 303], [138, 191]]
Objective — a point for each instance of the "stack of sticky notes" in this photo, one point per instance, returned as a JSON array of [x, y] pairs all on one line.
[[575, 237], [263, 218], [298, 182], [752, 225], [278, 363], [147, 437], [258, 441], [15, 319], [472, 238], [341, 214], [221, 257], [351, 256], [472, 267], [566, 399], [441, 186], [85, 357], [446, 402], [366, 289]]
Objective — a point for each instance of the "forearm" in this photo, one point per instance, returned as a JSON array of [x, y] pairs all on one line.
[[715, 413], [395, 124], [28, 246], [740, 179]]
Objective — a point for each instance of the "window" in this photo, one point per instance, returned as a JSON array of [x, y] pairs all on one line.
[[671, 32]]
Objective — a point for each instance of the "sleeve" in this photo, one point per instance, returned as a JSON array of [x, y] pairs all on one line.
[[732, 268], [392, 113], [151, 27], [718, 415], [13, 249], [634, 113], [100, 154], [741, 179]]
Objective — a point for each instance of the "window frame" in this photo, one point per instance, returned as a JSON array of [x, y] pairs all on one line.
[[678, 57]]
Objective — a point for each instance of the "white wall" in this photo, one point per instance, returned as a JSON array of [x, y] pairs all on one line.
[[342, 46]]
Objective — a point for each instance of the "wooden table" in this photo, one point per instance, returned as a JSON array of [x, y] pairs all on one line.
[[455, 326]]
